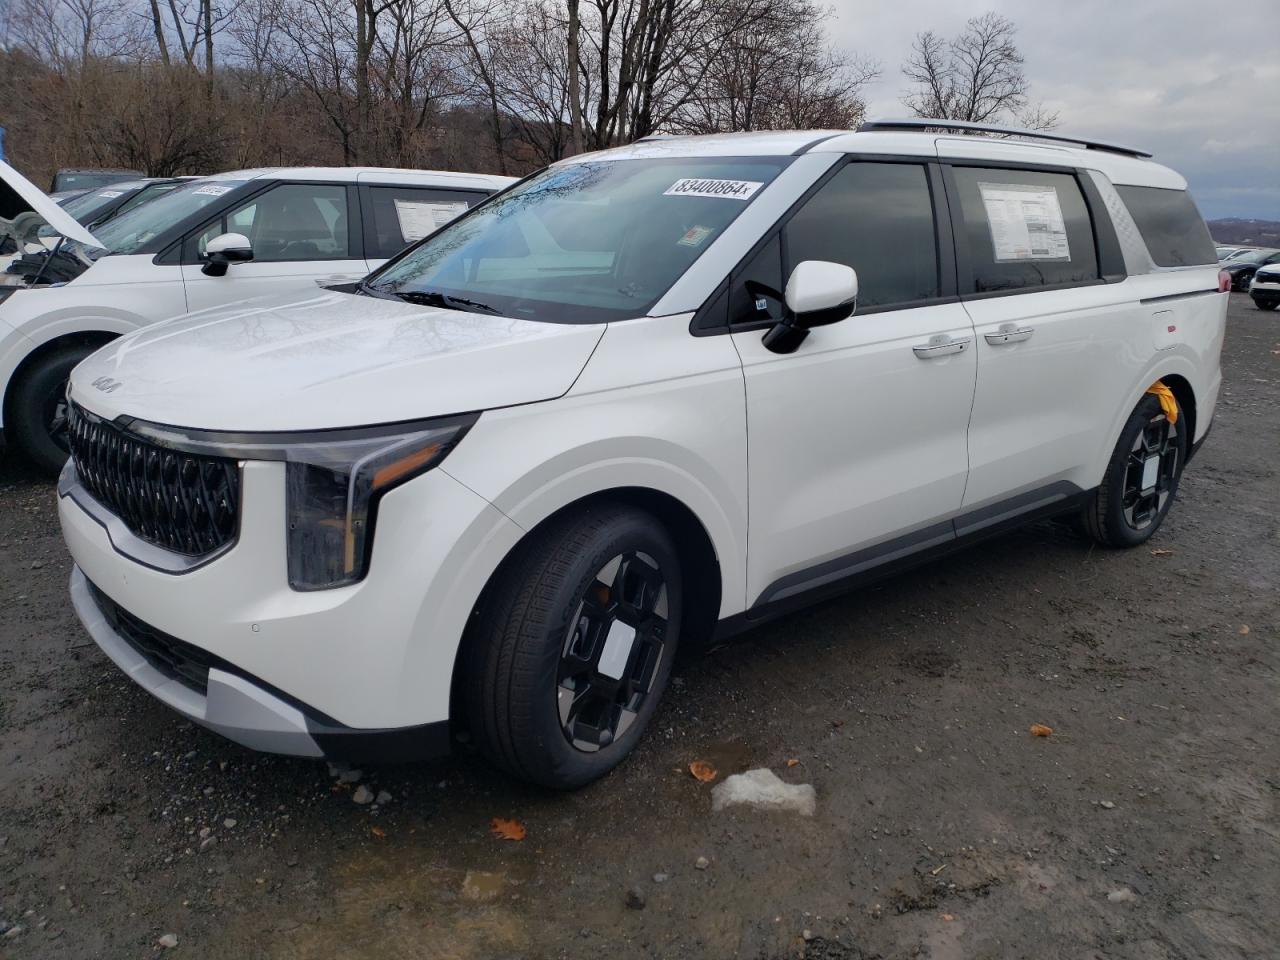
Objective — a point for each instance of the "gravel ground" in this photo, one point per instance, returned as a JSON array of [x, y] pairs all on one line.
[[1145, 826]]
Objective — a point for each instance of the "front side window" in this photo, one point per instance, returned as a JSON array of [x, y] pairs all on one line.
[[584, 242], [400, 215], [1024, 229], [1171, 226], [878, 219], [289, 223], [132, 232]]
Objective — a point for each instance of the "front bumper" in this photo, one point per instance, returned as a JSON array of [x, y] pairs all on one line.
[[242, 708]]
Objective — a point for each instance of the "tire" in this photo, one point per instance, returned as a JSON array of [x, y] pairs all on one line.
[[1120, 514], [546, 619], [1242, 282], [1265, 304], [37, 407]]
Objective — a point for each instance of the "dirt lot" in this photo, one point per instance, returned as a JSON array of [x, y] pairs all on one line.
[[1146, 826]]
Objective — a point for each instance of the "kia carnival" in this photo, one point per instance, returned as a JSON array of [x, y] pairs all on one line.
[[644, 396], [206, 243]]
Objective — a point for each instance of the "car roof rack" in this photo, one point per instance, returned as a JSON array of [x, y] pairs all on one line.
[[925, 123]]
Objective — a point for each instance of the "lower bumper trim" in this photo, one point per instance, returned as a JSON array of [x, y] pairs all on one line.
[[249, 713]]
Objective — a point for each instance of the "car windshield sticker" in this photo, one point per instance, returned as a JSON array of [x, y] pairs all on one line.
[[211, 190], [695, 235], [726, 189], [418, 218], [1026, 222], [110, 194]]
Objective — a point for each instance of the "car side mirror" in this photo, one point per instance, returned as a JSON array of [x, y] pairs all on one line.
[[818, 292], [224, 250]]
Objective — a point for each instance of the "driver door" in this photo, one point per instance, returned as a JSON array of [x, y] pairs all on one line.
[[856, 442], [303, 236]]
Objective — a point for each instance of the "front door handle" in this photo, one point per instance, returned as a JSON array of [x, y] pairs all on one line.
[[941, 345], [1009, 333]]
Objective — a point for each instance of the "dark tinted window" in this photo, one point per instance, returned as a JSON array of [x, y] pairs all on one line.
[[878, 219], [291, 222], [1171, 226], [404, 215], [1024, 229]]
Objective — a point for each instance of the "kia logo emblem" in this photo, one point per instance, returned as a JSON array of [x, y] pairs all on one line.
[[107, 385]]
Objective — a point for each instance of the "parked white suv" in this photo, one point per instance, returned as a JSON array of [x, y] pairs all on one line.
[[624, 404], [217, 240]]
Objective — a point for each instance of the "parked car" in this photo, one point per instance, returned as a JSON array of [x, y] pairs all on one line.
[[203, 244], [98, 206], [1241, 267], [1265, 287], [647, 395], [1226, 251], [71, 180]]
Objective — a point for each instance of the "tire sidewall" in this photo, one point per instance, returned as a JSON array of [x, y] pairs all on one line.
[[1118, 528], [566, 765], [27, 408]]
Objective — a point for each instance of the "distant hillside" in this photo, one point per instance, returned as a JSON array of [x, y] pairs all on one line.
[[1259, 233]]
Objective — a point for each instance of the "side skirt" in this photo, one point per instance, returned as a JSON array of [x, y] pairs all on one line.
[[834, 577]]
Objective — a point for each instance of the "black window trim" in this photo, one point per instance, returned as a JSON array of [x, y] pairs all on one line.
[[1106, 245], [369, 231], [705, 322], [355, 239]]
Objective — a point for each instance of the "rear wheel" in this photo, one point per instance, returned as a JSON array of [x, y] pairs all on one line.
[[38, 407], [573, 646], [1141, 479], [1265, 304]]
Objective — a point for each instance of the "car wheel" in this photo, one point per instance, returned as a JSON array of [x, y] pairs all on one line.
[[1141, 479], [1242, 282], [1266, 304], [38, 407], [572, 646]]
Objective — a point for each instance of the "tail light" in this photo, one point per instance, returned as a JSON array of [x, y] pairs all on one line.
[[1224, 281]]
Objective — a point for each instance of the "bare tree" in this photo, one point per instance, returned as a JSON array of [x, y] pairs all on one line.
[[977, 76]]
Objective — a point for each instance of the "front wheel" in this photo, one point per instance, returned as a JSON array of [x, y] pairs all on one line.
[[573, 646], [38, 407], [1265, 304], [1141, 479]]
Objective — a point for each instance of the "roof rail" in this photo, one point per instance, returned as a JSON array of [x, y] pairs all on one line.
[[925, 123]]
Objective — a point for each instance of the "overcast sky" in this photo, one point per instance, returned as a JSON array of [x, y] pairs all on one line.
[[1197, 84]]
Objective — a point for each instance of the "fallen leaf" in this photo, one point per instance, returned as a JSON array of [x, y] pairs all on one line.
[[1040, 730], [792, 762], [947, 916], [1244, 629], [378, 832], [702, 771], [505, 829], [1161, 552]]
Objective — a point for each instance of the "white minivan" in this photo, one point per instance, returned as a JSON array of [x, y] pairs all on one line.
[[647, 394], [210, 242]]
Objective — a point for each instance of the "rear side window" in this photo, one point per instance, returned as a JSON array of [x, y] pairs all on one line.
[[1171, 226], [878, 219], [404, 215], [1024, 229]]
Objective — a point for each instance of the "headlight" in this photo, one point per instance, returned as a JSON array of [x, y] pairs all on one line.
[[334, 480]]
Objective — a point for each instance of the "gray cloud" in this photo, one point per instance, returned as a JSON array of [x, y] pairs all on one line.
[[1197, 85]]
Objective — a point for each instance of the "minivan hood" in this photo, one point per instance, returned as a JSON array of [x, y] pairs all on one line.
[[22, 195], [328, 359]]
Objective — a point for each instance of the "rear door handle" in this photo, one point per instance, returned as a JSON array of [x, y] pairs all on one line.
[[941, 345], [1009, 333]]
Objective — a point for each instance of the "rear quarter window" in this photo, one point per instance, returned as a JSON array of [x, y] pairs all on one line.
[[1171, 226]]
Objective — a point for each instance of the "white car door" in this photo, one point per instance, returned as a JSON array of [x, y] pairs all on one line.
[[1058, 348], [856, 441], [302, 237]]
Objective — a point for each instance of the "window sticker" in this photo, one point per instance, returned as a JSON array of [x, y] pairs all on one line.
[[694, 236], [419, 218], [1026, 222], [110, 194], [211, 190], [726, 189]]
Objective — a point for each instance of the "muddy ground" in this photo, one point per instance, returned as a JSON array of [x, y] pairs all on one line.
[[943, 829]]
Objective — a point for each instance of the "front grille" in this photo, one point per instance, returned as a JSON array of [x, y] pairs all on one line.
[[185, 502], [175, 659]]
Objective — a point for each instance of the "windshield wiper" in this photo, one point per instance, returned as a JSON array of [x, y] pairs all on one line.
[[369, 290], [435, 298]]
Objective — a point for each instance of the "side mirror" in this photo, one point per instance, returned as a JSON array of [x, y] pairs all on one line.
[[818, 292], [224, 250]]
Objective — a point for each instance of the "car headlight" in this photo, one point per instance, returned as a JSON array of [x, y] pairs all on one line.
[[334, 480]]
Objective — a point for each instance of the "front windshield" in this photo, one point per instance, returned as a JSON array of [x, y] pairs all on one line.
[[584, 243], [1250, 256], [130, 232]]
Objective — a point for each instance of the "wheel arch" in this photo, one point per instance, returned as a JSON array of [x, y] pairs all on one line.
[[1176, 371], [92, 339]]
